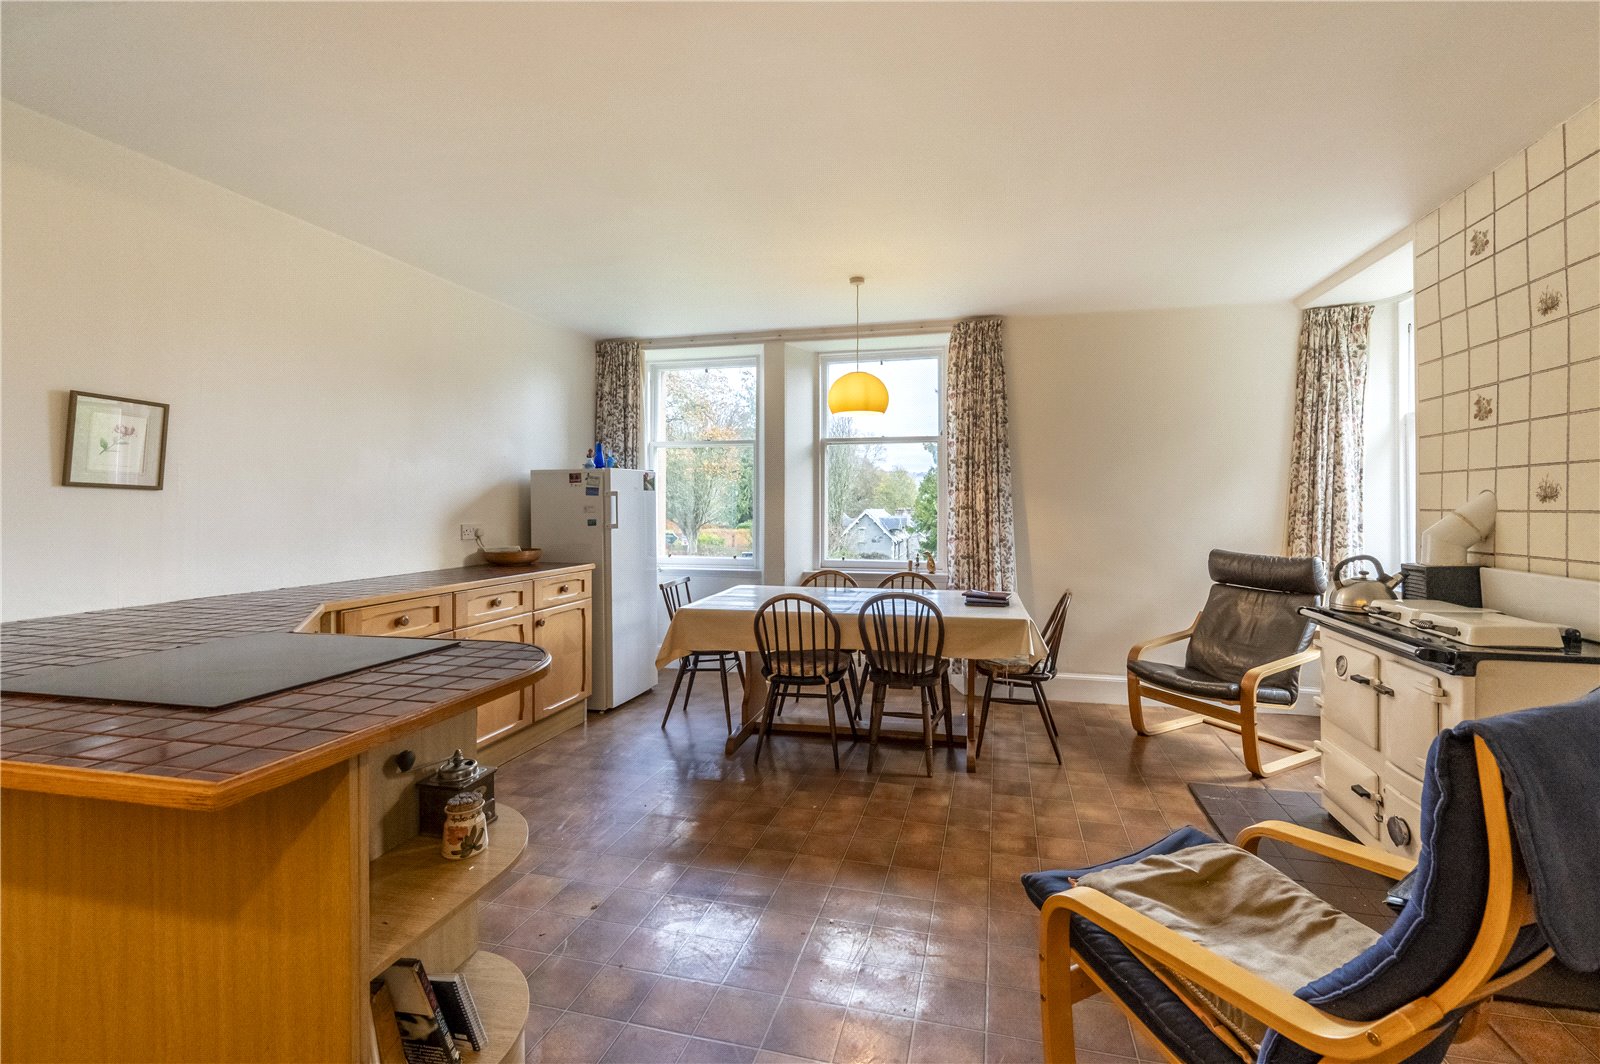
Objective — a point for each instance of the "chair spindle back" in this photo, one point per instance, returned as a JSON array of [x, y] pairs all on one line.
[[1052, 633], [902, 633], [908, 581], [798, 638], [675, 593], [829, 578]]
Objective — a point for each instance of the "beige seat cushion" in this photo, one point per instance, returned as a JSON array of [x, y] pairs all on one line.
[[1240, 907]]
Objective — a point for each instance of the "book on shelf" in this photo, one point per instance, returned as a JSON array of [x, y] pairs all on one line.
[[424, 1032], [386, 1047], [455, 999]]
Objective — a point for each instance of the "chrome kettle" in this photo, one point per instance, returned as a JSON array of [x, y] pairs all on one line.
[[1351, 595]]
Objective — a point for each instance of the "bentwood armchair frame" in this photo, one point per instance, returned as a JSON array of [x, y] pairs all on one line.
[[1240, 719], [1065, 977]]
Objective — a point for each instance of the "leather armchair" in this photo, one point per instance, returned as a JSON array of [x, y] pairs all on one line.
[[1245, 650]]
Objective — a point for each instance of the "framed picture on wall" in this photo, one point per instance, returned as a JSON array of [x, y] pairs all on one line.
[[113, 442]]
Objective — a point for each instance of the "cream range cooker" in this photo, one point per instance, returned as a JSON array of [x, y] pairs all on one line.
[[1389, 687]]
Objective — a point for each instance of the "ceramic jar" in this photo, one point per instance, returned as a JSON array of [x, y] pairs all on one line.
[[466, 829]]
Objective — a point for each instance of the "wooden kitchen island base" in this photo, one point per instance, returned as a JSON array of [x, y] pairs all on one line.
[[188, 885], [135, 932]]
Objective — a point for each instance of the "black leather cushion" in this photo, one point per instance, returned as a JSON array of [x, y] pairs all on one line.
[[1252, 616], [1199, 685], [1269, 572]]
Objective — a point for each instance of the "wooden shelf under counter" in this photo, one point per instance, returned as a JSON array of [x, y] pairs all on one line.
[[414, 889], [500, 991]]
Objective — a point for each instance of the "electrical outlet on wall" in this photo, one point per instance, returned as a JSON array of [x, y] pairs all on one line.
[[470, 532]]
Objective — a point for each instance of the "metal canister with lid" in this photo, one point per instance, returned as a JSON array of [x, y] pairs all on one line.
[[457, 775]]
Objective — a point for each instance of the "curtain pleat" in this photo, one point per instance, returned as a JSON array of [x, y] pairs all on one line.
[[1325, 467], [980, 552], [619, 399]]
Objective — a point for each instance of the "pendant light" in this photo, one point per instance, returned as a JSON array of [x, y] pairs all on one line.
[[858, 392]]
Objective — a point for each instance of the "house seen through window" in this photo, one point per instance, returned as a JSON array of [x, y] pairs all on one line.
[[881, 480]]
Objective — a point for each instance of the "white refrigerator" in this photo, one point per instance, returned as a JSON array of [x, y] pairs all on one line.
[[606, 516]]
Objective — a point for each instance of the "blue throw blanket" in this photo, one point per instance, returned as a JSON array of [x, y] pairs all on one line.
[[1550, 759]]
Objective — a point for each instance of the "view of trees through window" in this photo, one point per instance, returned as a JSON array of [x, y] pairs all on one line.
[[881, 490], [704, 428]]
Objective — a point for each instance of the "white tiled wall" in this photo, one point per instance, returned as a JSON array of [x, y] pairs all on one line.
[[1508, 353]]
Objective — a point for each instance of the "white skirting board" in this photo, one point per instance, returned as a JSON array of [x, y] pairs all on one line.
[[1112, 690], [1108, 690]]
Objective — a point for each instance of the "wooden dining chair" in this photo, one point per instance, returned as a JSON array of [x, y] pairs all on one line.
[[908, 581], [801, 649], [675, 593], [829, 578], [1019, 672], [902, 636]]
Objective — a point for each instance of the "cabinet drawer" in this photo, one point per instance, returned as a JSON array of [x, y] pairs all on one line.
[[555, 590], [490, 603], [415, 617]]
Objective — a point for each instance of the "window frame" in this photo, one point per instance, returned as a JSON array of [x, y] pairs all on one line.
[[658, 363], [1406, 424], [821, 442]]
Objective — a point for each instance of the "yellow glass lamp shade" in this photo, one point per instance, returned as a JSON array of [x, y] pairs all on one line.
[[858, 393]]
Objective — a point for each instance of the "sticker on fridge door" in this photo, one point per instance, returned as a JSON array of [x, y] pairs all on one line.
[[649, 480]]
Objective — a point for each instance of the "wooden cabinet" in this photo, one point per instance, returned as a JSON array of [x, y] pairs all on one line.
[[550, 611], [564, 631], [503, 715]]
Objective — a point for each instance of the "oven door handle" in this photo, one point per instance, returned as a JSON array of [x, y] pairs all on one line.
[[1367, 681]]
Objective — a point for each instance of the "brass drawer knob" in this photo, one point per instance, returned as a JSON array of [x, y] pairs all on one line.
[[497, 600], [402, 620], [562, 590], [539, 623]]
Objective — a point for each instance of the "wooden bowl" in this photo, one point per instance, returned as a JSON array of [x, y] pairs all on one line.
[[515, 556]]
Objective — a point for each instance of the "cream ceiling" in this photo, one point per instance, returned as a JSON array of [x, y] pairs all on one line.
[[673, 168]]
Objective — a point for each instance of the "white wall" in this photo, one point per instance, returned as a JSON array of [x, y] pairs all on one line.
[[1139, 442], [335, 413]]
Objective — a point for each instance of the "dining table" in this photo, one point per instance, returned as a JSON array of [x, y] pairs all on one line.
[[726, 621]]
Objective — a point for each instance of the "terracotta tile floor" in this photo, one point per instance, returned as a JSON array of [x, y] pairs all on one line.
[[678, 905]]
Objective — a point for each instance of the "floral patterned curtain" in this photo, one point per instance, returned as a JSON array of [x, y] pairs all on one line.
[[1325, 470], [980, 551], [619, 399]]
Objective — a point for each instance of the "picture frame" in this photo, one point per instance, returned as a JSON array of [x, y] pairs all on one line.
[[115, 442]]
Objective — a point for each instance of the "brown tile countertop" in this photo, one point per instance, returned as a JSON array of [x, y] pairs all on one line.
[[158, 755]]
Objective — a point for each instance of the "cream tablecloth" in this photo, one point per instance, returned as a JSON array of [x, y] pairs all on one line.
[[726, 621]]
